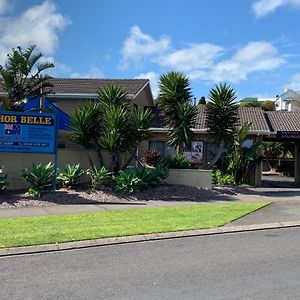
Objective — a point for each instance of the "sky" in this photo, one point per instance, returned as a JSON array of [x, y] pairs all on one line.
[[253, 45]]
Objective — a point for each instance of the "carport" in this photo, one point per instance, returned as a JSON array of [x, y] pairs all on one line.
[[284, 126]]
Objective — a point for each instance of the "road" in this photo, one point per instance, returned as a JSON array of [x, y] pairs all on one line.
[[253, 265]]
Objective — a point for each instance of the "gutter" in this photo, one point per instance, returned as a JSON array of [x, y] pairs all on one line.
[[72, 96], [253, 132]]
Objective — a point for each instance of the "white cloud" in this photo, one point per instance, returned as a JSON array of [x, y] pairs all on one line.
[[138, 45], [93, 72], [196, 56], [262, 8], [64, 71], [153, 77], [39, 24], [3, 6], [254, 57], [202, 61], [294, 83]]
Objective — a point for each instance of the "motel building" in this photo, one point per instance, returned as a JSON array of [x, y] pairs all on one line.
[[68, 94]]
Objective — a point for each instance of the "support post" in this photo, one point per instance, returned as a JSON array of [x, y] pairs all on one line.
[[258, 166], [55, 154], [297, 162]]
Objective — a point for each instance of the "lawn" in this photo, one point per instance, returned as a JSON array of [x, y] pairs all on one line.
[[63, 228]]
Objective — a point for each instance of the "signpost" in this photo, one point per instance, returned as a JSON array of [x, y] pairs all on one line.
[[29, 132]]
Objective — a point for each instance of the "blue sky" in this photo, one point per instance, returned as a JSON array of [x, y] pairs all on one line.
[[251, 44]]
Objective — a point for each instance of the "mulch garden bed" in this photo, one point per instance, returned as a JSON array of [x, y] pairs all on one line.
[[14, 199]]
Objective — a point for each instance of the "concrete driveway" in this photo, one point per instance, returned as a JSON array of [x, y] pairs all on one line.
[[278, 181], [278, 211]]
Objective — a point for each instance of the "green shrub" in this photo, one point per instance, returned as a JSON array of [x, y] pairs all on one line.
[[146, 176], [38, 176], [177, 162], [130, 181], [220, 179], [160, 173], [3, 180], [126, 182], [152, 157], [99, 177], [34, 192], [71, 175], [151, 177]]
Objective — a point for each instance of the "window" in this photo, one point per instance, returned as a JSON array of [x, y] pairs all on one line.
[[162, 148], [248, 143]]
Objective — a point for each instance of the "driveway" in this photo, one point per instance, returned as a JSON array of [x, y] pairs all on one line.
[[280, 211], [278, 181]]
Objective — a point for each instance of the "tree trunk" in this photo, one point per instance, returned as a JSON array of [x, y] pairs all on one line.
[[133, 155], [180, 148], [90, 158], [100, 157], [217, 156]]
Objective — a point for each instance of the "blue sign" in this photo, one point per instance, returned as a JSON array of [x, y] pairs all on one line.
[[28, 132]]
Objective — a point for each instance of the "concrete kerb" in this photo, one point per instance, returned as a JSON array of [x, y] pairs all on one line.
[[141, 238]]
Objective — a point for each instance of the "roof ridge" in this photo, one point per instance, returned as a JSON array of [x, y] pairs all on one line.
[[106, 79]]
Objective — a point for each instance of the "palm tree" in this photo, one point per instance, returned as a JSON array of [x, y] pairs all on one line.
[[112, 124], [22, 77], [124, 126], [222, 117], [175, 101], [85, 123]]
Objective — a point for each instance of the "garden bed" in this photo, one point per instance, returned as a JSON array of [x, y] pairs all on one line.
[[10, 199]]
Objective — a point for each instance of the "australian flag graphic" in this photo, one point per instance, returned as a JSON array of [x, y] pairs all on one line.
[[12, 129]]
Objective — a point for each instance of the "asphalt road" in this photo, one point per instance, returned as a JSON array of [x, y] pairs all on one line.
[[251, 265]]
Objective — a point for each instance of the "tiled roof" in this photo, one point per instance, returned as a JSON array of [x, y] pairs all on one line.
[[283, 120], [201, 118], [158, 118], [91, 86], [254, 115]]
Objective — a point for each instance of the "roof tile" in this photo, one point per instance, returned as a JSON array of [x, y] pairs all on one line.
[[284, 120], [91, 85]]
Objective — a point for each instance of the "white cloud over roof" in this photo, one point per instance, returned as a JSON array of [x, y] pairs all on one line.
[[262, 8], [139, 45], [201, 61]]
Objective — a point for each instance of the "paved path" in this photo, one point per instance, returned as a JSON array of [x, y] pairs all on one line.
[[254, 265], [285, 207], [78, 208]]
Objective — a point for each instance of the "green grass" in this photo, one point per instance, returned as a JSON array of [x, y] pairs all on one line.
[[63, 228]]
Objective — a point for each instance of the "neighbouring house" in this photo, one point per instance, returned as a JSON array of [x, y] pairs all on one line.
[[288, 101]]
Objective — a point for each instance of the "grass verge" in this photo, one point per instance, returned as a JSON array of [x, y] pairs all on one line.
[[27, 231]]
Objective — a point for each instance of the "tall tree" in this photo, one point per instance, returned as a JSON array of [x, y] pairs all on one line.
[[124, 126], [222, 117], [22, 76], [112, 124], [86, 125], [202, 101], [175, 101]]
